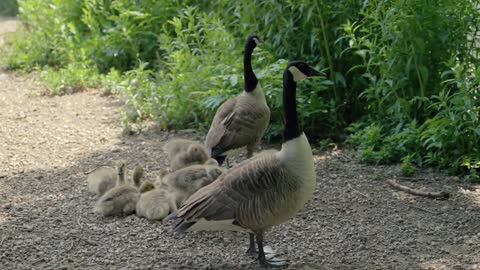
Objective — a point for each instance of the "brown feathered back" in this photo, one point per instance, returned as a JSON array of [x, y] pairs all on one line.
[[239, 122], [252, 199]]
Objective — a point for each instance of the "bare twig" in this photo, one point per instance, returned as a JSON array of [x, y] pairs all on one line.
[[413, 179], [345, 158], [440, 195], [356, 191]]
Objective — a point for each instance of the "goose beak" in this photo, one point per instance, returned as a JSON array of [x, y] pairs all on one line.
[[314, 73]]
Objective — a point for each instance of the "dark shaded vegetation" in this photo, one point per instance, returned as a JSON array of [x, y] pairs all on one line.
[[403, 76], [8, 8]]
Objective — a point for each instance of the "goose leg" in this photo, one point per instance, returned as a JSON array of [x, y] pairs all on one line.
[[251, 251], [270, 260]]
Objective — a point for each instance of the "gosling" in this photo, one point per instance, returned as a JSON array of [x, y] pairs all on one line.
[[122, 199], [154, 204], [184, 182], [175, 146], [101, 180], [195, 154]]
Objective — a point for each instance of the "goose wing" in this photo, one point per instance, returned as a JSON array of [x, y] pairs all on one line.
[[249, 197], [238, 122]]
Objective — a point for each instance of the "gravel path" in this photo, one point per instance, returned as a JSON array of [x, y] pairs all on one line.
[[354, 221]]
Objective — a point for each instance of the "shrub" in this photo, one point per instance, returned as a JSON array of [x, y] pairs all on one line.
[[8, 8], [401, 74]]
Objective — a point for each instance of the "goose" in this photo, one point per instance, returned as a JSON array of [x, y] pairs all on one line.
[[195, 154], [263, 191], [241, 121], [122, 199], [184, 182]]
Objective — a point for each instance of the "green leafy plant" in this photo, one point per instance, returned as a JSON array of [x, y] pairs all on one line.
[[8, 8], [401, 75], [407, 167], [70, 79]]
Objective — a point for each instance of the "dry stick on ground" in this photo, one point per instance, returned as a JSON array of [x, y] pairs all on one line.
[[439, 195], [410, 178], [364, 195]]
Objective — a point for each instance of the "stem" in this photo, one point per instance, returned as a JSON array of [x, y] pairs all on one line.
[[327, 51]]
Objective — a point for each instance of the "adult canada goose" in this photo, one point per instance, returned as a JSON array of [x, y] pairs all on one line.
[[122, 199], [240, 121], [263, 191]]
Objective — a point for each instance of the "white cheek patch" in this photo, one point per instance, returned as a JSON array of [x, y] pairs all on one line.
[[297, 74]]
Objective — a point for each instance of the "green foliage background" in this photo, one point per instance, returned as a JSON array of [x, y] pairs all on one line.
[[403, 75], [8, 7]]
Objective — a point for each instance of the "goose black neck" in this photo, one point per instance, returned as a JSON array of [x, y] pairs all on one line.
[[248, 75], [291, 128]]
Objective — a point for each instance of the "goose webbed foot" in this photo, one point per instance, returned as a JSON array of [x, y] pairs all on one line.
[[268, 259], [272, 262], [253, 252]]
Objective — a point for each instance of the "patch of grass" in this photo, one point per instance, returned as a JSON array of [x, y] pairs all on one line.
[[407, 167], [70, 79]]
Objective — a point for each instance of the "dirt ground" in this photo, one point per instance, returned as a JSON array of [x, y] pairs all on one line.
[[354, 221]]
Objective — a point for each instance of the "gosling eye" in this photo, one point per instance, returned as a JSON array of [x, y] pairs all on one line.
[[108, 199]]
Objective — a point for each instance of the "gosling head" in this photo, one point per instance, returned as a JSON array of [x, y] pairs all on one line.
[[121, 169], [211, 161], [146, 186], [215, 172], [137, 175], [118, 201], [163, 172], [301, 70], [197, 153]]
